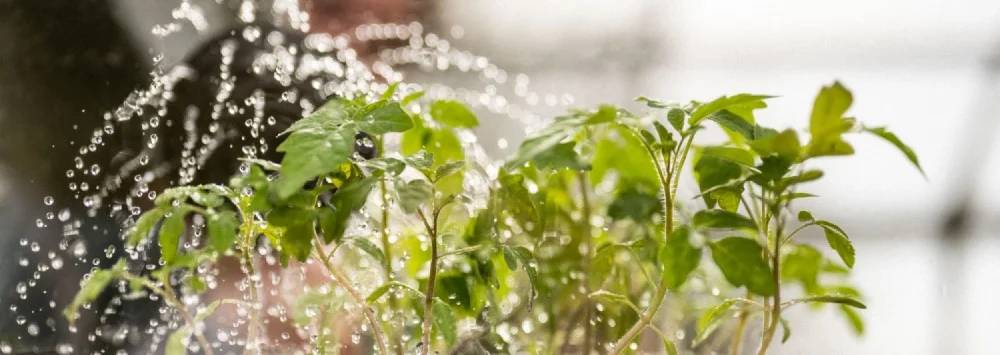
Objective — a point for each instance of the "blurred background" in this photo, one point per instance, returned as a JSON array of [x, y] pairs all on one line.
[[928, 248]]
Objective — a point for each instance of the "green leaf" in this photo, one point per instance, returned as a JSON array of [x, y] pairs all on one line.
[[612, 297], [711, 172], [381, 290], [91, 288], [654, 103], [175, 343], [733, 154], [527, 260], [722, 219], [711, 319], [170, 234], [370, 248], [669, 347], [827, 122], [296, 240], [560, 156], [890, 137], [448, 169], [633, 204], [802, 264], [604, 114], [785, 145], [838, 240], [676, 118], [805, 216], [854, 319], [844, 300], [222, 230], [741, 105], [679, 258], [350, 198], [310, 154], [143, 226], [444, 321], [741, 261], [509, 257], [413, 194], [411, 98], [453, 114], [387, 118]]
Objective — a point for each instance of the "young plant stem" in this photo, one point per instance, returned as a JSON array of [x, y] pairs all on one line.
[[171, 298], [425, 343], [735, 348], [341, 280], [248, 235], [669, 186], [386, 244], [774, 318], [588, 328]]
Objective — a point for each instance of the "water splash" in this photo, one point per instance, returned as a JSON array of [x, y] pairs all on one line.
[[156, 139]]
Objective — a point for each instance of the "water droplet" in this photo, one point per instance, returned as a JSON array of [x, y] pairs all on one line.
[[48, 200]]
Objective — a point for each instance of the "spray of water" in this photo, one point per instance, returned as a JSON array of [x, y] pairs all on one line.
[[193, 123]]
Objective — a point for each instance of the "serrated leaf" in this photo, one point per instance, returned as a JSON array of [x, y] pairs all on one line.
[[349, 198], [890, 137], [733, 154], [444, 321], [369, 248], [310, 154], [827, 122], [91, 288], [453, 114], [722, 219], [741, 261], [710, 320], [838, 240], [676, 118], [679, 258], [413, 194], [143, 226], [741, 105], [170, 234], [389, 117], [560, 156], [447, 169], [222, 230]]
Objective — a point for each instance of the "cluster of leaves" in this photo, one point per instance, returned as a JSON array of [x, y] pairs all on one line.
[[587, 208]]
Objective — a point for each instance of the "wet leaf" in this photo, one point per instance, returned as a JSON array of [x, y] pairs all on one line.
[[444, 321], [369, 248], [453, 114], [710, 320], [175, 342], [387, 118], [143, 226], [413, 194], [310, 154], [91, 288], [222, 230], [170, 234]]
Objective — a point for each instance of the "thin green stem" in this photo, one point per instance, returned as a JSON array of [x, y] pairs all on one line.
[[588, 240], [342, 281], [432, 230]]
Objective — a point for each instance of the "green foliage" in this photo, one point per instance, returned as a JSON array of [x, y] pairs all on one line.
[[574, 242]]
